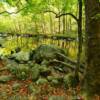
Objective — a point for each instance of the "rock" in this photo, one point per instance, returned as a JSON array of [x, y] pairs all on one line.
[[31, 64], [55, 82], [12, 67], [5, 78], [35, 72], [21, 56], [22, 71], [50, 78], [44, 71], [41, 81], [37, 65], [44, 62], [47, 52]]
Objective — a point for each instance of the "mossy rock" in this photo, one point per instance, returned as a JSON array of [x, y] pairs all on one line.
[[5, 78], [50, 78], [47, 52], [55, 82], [44, 62], [45, 71], [22, 56], [22, 71], [31, 64], [12, 68], [35, 73], [42, 81], [37, 65]]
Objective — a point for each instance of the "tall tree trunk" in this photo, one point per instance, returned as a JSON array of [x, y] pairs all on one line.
[[79, 35], [92, 77], [79, 42]]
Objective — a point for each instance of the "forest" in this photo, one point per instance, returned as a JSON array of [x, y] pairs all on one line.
[[49, 49]]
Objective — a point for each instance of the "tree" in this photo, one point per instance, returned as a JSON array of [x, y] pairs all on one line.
[[79, 23], [92, 77]]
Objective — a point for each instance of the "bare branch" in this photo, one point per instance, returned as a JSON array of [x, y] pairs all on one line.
[[70, 14]]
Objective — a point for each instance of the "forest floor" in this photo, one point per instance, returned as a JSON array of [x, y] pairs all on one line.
[[28, 90]]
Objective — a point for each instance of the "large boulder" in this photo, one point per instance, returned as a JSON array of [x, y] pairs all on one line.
[[46, 52]]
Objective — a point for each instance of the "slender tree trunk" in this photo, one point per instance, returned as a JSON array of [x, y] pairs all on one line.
[[51, 24], [64, 24], [70, 26], [92, 77], [43, 23], [59, 24]]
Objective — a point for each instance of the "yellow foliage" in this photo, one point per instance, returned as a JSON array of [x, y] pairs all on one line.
[[5, 51]]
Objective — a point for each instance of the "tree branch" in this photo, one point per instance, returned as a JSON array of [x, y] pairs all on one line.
[[64, 14], [72, 67]]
